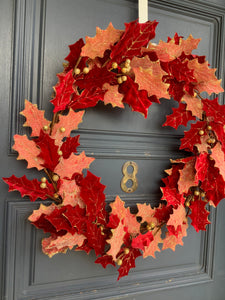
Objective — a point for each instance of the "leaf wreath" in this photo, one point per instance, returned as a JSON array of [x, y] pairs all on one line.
[[118, 67]]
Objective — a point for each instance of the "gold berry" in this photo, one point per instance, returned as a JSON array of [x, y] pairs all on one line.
[[45, 128], [201, 132], [119, 80], [55, 196], [77, 71], [119, 262], [43, 179], [152, 225], [60, 152], [196, 193], [126, 250], [86, 70], [124, 70], [187, 203], [43, 185], [124, 78], [55, 177], [202, 194], [127, 61], [114, 65], [62, 129], [209, 127]]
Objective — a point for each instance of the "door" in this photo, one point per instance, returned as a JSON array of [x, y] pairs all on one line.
[[35, 35]]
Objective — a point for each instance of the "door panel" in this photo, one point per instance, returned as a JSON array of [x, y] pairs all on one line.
[[39, 32]]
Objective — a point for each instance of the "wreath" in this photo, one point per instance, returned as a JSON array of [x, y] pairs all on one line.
[[123, 67]]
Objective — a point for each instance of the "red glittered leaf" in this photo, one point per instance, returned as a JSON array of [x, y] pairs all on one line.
[[30, 188], [92, 193], [34, 118], [103, 40], [59, 221], [95, 78], [113, 221], [138, 100], [105, 260], [220, 133], [213, 184], [63, 91], [201, 166], [128, 262], [142, 240], [49, 151], [180, 116], [172, 196], [199, 215], [214, 111], [136, 35], [70, 146], [60, 244], [74, 55], [87, 98], [95, 238], [76, 217], [193, 137], [163, 212]]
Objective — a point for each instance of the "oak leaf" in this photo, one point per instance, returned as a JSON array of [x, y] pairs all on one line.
[[171, 241], [194, 105], [30, 188], [128, 219], [60, 244], [153, 246], [116, 241], [34, 118], [113, 96], [74, 164], [187, 175], [28, 150], [150, 79], [70, 193], [206, 79], [218, 156], [42, 210], [65, 125], [103, 40]]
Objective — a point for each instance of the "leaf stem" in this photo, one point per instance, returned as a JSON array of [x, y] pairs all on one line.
[[50, 178]]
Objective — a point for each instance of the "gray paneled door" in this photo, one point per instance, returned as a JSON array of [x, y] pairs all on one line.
[[34, 35]]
